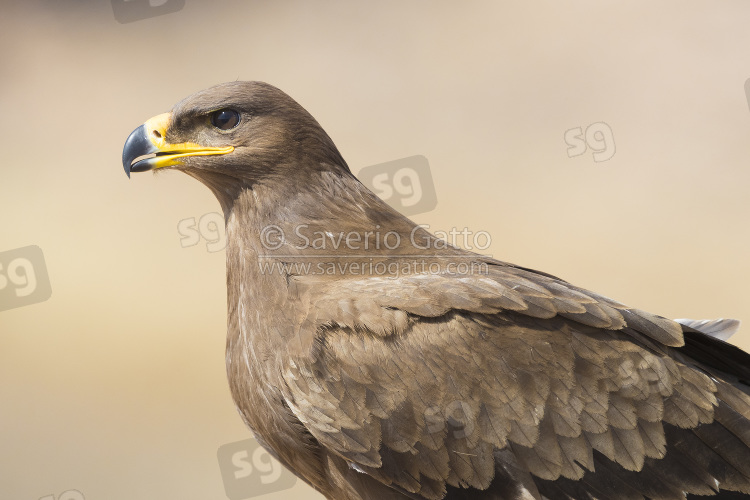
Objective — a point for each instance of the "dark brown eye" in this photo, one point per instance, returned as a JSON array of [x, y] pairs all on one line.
[[225, 119]]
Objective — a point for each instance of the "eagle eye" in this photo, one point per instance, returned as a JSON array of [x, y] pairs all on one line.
[[225, 119]]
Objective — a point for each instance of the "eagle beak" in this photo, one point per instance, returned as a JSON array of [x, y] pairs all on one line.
[[147, 147]]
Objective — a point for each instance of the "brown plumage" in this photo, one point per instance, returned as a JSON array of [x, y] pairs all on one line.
[[497, 383]]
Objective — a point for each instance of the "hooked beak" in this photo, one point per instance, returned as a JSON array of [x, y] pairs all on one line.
[[146, 148]]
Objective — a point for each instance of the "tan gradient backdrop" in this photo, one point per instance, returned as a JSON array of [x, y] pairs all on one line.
[[115, 386]]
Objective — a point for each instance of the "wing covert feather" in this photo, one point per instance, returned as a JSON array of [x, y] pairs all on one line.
[[425, 388]]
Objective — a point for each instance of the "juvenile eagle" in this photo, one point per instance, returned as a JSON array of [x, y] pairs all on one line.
[[414, 369]]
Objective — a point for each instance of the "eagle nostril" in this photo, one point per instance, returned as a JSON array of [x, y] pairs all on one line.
[[156, 134]]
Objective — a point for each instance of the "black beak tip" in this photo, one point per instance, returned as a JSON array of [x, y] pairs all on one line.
[[137, 144]]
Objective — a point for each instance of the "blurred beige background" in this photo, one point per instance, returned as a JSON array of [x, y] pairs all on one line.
[[115, 386]]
